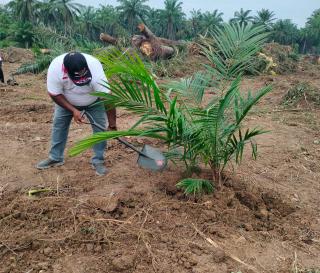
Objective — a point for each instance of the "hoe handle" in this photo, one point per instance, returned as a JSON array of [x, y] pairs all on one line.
[[119, 139], [131, 146]]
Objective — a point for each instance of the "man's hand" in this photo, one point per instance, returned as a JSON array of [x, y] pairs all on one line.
[[62, 101], [113, 128], [78, 117]]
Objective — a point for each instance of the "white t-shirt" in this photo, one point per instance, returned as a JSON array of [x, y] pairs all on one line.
[[58, 81]]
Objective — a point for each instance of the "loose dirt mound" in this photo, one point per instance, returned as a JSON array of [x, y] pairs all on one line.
[[14, 54], [138, 231], [264, 219]]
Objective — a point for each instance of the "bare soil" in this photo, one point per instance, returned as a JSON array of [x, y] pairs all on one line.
[[265, 218]]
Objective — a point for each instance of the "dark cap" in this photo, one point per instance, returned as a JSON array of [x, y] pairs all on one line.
[[77, 68]]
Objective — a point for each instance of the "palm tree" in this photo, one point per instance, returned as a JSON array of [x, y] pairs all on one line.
[[173, 16], [195, 131], [48, 14], [242, 17], [132, 11], [6, 21], [285, 32], [155, 19], [23, 33], [89, 24], [212, 20], [264, 17], [304, 40], [65, 10], [196, 20], [23, 9], [108, 19], [313, 28]]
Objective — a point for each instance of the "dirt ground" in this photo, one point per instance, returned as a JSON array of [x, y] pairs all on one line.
[[266, 217]]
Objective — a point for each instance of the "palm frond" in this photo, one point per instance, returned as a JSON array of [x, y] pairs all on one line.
[[88, 142], [192, 88], [243, 106], [129, 77], [36, 67], [214, 113], [47, 39], [233, 48], [237, 142]]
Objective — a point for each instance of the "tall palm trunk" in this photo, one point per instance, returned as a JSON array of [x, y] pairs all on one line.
[[304, 46], [170, 29]]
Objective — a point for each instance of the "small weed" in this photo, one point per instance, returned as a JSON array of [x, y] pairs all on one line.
[[87, 230]]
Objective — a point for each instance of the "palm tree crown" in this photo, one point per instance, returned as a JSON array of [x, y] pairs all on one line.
[[132, 11], [173, 16], [242, 17], [265, 17]]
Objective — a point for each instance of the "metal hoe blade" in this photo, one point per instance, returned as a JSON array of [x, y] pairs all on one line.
[[149, 157], [155, 160]]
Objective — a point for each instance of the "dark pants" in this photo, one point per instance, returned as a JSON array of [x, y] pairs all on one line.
[[1, 73]]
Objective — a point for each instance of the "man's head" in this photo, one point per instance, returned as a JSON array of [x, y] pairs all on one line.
[[77, 68]]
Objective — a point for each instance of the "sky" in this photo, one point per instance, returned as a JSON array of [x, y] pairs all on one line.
[[296, 10]]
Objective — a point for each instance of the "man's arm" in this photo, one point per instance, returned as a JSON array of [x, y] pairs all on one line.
[[62, 101], [55, 90]]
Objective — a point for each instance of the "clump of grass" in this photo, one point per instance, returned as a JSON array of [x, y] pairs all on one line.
[[195, 187], [302, 92]]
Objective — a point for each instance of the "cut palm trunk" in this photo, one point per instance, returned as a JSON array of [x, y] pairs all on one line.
[[108, 39], [152, 46], [148, 44]]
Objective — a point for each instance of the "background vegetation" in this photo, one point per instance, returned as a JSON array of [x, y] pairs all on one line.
[[24, 21]]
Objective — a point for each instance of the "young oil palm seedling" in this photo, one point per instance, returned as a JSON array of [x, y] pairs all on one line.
[[196, 130]]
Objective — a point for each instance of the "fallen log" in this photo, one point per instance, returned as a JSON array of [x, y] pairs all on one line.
[[108, 39], [152, 46], [148, 44], [45, 50], [149, 35]]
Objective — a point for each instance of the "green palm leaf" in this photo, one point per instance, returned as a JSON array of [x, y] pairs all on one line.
[[192, 88], [130, 78], [233, 49], [242, 107], [102, 136], [237, 142]]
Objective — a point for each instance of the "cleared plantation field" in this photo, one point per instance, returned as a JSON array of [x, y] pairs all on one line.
[[264, 219]]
